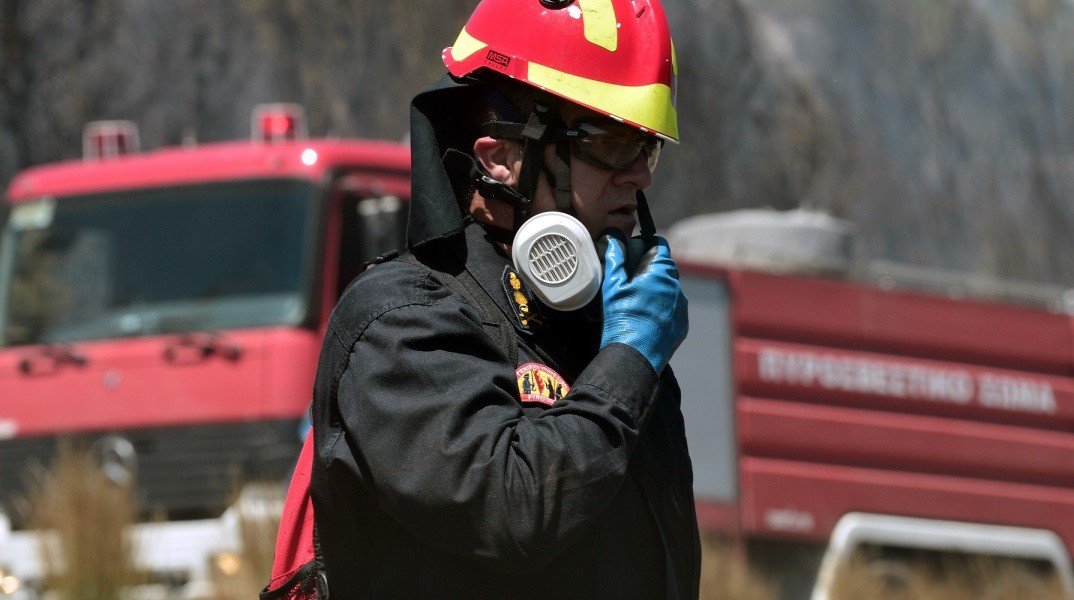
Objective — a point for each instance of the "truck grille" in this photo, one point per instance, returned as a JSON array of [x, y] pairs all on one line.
[[188, 472]]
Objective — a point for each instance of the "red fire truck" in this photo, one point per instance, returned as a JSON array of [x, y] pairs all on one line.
[[832, 407], [166, 308]]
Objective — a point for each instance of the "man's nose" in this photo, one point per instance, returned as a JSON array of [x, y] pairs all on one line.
[[637, 173]]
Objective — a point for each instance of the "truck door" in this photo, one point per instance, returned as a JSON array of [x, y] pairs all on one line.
[[367, 217]]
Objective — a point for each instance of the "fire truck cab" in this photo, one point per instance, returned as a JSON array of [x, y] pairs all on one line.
[[166, 308]]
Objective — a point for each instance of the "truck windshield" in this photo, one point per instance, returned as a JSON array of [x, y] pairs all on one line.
[[159, 261]]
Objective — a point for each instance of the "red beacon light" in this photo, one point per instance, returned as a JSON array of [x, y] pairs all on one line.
[[278, 123], [103, 140]]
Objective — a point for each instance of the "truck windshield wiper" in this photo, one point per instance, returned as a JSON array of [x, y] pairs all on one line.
[[199, 346], [49, 357]]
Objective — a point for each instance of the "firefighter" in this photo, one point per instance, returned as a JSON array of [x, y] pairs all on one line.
[[476, 435]]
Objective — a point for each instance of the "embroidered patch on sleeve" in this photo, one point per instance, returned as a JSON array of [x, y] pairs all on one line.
[[539, 383]]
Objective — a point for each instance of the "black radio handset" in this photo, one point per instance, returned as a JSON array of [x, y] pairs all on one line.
[[642, 249]]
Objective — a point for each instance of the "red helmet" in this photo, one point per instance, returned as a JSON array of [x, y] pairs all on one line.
[[612, 56]]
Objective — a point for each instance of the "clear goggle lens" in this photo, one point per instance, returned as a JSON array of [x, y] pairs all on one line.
[[613, 145]]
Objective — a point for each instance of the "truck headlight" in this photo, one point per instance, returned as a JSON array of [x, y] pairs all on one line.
[[227, 563], [9, 584]]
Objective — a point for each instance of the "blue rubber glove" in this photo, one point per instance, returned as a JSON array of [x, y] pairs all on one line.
[[644, 306]]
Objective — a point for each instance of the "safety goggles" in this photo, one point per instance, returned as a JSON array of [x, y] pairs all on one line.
[[613, 145]]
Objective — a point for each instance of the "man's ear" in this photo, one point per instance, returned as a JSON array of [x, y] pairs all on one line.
[[497, 158]]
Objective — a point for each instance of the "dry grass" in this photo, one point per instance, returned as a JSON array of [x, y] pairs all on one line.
[[89, 556], [259, 521], [947, 577], [726, 576], [87, 553]]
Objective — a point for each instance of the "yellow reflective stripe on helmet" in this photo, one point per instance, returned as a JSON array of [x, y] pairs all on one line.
[[599, 24], [465, 45], [646, 105]]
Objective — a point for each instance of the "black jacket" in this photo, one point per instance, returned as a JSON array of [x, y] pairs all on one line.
[[432, 479]]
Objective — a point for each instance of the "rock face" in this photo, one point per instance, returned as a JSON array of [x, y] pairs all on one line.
[[943, 129]]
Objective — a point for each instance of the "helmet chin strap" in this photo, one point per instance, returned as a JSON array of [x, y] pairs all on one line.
[[534, 135], [561, 181], [488, 187]]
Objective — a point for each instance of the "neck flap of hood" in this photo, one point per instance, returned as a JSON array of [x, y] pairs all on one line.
[[435, 115]]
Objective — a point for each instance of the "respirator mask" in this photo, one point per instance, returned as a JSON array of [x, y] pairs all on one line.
[[555, 257]]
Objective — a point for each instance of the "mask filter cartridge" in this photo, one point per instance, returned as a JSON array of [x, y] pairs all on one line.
[[555, 256]]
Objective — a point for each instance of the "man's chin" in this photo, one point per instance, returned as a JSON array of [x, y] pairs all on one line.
[[622, 222]]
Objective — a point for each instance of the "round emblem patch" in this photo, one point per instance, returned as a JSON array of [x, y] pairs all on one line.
[[539, 383]]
